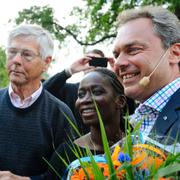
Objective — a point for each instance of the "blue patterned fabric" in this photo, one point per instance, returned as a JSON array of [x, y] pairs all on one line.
[[149, 111]]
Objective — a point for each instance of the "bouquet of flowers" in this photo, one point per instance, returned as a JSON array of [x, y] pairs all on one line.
[[147, 162], [130, 159]]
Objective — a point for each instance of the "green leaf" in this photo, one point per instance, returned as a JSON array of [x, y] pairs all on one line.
[[73, 125], [52, 167], [106, 146], [95, 169], [168, 170]]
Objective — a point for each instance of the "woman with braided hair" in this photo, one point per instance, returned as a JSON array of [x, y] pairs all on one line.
[[103, 86]]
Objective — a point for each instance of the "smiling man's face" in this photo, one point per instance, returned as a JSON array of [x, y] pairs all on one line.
[[137, 50]]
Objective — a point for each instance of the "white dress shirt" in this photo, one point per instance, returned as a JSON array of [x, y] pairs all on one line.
[[17, 102]]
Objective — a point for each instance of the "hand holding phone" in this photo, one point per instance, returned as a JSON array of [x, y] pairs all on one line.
[[98, 61]]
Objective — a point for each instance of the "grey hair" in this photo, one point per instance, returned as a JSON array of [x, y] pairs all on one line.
[[42, 37], [165, 24]]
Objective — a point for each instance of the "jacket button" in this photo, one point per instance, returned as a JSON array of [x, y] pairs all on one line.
[[165, 118]]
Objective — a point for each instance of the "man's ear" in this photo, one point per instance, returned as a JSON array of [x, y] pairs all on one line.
[[174, 57], [47, 62], [120, 101]]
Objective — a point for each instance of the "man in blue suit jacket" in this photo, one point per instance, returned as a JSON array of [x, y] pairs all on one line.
[[147, 60], [168, 122]]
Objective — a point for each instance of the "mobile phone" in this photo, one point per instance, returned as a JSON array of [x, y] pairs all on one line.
[[98, 61]]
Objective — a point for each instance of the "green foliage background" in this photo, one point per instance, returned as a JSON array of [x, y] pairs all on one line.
[[3, 73], [97, 18], [95, 22]]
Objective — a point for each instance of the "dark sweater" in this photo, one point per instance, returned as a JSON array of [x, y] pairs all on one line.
[[27, 135]]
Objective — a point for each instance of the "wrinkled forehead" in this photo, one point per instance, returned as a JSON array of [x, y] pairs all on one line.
[[24, 43], [22, 37], [128, 35]]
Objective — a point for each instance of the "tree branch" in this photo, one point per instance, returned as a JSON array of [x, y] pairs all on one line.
[[79, 41]]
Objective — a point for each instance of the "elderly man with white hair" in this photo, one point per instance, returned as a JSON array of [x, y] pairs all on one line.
[[32, 121]]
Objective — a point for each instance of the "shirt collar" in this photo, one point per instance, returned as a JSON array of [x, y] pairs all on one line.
[[160, 98], [15, 99]]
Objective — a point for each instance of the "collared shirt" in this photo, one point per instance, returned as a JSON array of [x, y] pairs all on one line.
[[149, 111], [17, 102]]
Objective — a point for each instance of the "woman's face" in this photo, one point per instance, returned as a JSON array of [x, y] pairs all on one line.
[[94, 85]]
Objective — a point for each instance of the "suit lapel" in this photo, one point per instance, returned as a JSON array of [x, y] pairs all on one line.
[[168, 116]]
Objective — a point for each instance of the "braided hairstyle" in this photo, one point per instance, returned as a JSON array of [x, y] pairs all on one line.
[[112, 77], [117, 86]]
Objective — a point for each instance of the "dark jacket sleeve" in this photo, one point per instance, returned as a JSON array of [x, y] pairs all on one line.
[[168, 122], [55, 83], [66, 92]]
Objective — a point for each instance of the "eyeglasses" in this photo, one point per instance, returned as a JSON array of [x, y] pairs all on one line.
[[24, 53]]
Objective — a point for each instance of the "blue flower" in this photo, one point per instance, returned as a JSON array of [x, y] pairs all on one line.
[[142, 174], [123, 157], [145, 172]]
